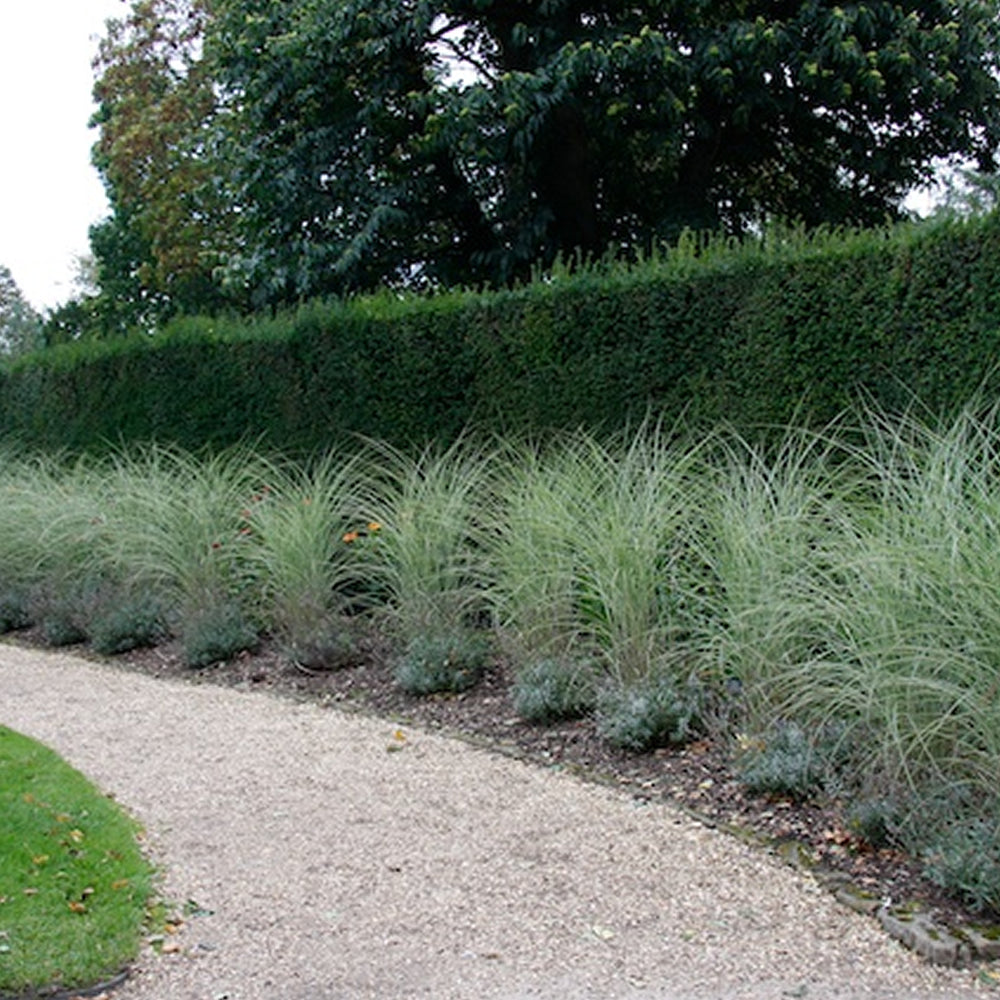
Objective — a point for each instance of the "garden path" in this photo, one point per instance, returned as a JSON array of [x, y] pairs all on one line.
[[328, 856]]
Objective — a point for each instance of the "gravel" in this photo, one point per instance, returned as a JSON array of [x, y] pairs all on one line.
[[318, 854]]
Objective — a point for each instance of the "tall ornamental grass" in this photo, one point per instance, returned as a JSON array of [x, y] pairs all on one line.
[[589, 553], [420, 536], [179, 532], [829, 601], [912, 625], [306, 578], [770, 520]]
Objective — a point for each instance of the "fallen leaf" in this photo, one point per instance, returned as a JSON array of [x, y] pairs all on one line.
[[120, 883], [602, 933], [31, 892], [76, 906], [39, 859]]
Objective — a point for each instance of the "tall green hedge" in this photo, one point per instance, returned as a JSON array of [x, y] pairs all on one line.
[[751, 333]]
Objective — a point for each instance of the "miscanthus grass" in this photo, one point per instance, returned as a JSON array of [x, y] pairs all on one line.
[[588, 551], [299, 527], [420, 536]]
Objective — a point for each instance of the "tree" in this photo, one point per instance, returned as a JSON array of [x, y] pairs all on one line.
[[20, 325], [158, 251], [463, 141]]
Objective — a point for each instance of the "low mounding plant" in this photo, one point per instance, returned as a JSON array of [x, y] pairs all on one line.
[[435, 664], [786, 762], [653, 711], [124, 621], [331, 646], [216, 633], [14, 610], [965, 858], [550, 689]]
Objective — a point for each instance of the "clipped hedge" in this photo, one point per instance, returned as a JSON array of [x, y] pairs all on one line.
[[790, 326]]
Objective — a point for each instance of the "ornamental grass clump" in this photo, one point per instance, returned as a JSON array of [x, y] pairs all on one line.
[[910, 621], [769, 521], [306, 578], [426, 559], [177, 531], [589, 551]]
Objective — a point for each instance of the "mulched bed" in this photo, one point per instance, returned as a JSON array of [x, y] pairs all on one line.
[[698, 778]]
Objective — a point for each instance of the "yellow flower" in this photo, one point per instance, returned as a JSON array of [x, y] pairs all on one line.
[[374, 526]]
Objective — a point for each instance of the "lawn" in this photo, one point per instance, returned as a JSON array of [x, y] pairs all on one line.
[[74, 884]]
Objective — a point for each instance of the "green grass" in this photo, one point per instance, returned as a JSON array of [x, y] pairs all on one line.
[[74, 885]]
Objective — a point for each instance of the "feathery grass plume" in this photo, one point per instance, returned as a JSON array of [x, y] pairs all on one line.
[[178, 529], [305, 575], [427, 556], [769, 523]]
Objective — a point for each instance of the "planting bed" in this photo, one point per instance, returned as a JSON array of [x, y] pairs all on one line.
[[699, 778]]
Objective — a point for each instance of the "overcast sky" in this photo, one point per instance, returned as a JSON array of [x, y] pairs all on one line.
[[49, 192]]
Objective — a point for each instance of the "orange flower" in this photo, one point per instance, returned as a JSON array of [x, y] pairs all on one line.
[[374, 526], [351, 536]]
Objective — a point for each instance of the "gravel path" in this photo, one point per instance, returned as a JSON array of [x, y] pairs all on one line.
[[333, 857]]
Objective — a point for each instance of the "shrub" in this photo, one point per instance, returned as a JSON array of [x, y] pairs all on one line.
[[654, 711], [877, 821], [127, 622], [332, 647], [786, 762], [14, 612], [552, 689], [965, 858], [216, 633], [433, 664]]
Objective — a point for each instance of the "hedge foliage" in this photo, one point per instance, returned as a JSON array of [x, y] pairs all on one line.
[[782, 327]]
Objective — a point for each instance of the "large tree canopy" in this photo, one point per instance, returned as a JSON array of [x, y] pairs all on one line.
[[359, 142]]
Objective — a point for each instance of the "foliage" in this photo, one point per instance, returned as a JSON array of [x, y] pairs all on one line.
[[156, 253], [20, 325], [423, 550], [215, 632], [785, 329], [436, 663], [77, 884], [316, 147], [295, 526], [14, 609], [786, 761], [126, 620], [648, 712], [549, 690], [966, 859]]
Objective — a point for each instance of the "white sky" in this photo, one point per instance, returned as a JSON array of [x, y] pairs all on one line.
[[49, 192]]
